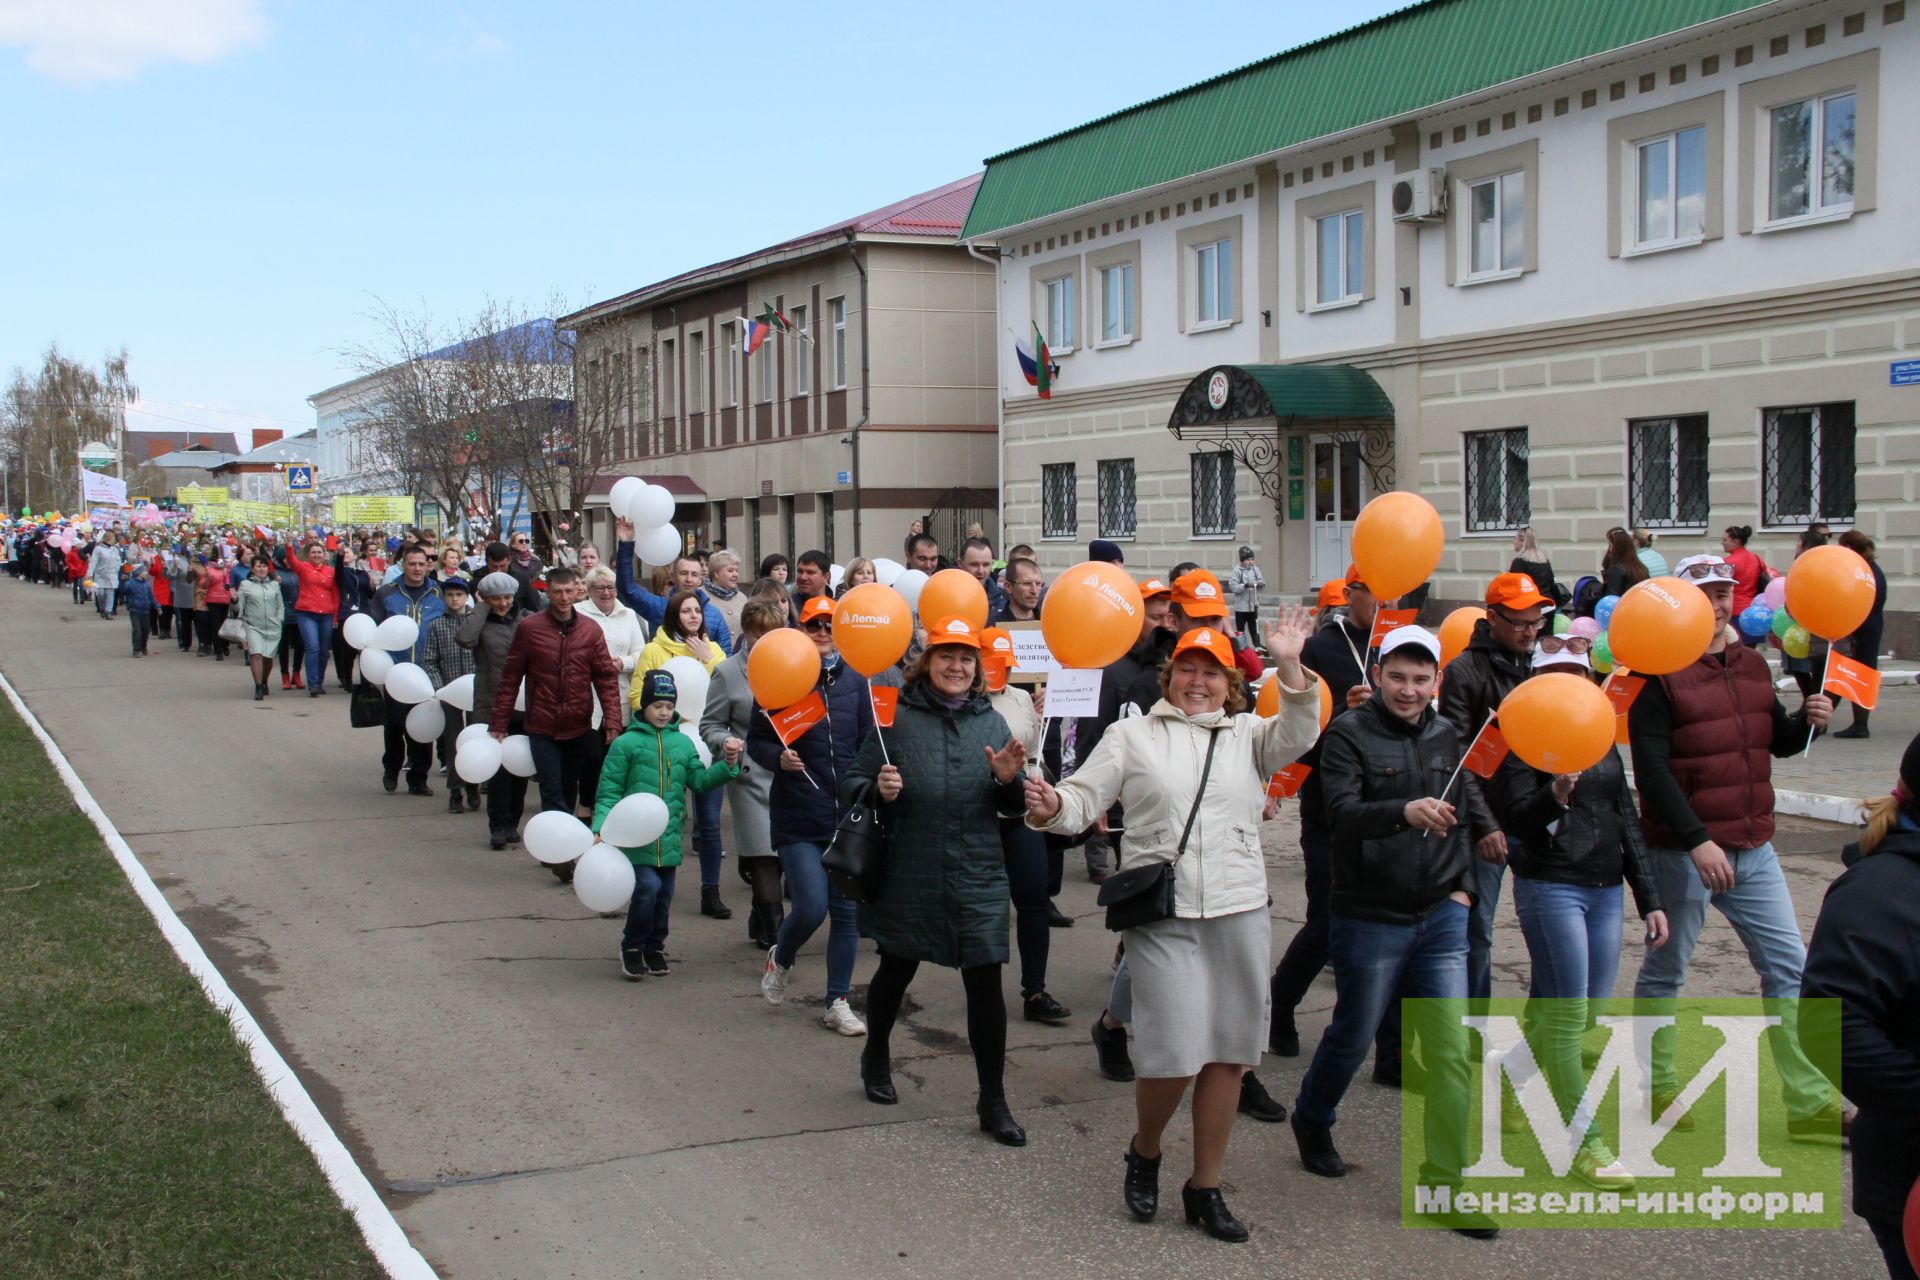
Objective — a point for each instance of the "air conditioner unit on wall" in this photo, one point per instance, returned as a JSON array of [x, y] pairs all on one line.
[[1421, 196]]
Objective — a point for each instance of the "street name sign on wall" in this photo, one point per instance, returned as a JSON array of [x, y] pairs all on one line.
[[1904, 373]]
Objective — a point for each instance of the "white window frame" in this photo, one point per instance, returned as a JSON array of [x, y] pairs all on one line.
[[1351, 242], [730, 373], [1672, 239], [1214, 261], [696, 371], [1060, 322], [669, 378], [837, 315], [1858, 74], [1498, 181], [1815, 171], [767, 358], [1112, 334], [802, 352]]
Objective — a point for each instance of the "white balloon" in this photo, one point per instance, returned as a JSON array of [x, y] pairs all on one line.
[[375, 666], [408, 682], [636, 820], [691, 681], [622, 493], [556, 836], [468, 734], [650, 507], [908, 584], [358, 630], [427, 721], [457, 694], [659, 546], [887, 572], [837, 576], [397, 632], [603, 878], [701, 749], [516, 756], [477, 760]]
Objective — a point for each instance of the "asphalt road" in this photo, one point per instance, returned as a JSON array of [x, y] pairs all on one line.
[[461, 1019]]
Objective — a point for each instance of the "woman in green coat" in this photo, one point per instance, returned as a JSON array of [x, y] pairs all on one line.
[[956, 770], [261, 605], [655, 757]]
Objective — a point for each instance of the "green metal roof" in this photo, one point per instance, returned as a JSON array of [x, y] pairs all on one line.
[[1401, 63], [1290, 392]]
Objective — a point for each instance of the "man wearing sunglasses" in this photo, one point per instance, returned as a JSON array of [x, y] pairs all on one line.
[[1703, 741], [1496, 659]]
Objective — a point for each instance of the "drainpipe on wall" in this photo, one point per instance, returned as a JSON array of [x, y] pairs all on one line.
[[999, 407], [866, 387]]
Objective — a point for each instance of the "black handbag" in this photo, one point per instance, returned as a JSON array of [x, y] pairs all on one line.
[[1143, 895], [856, 861], [367, 707]]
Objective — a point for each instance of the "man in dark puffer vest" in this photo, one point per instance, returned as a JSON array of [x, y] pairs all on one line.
[[1703, 741]]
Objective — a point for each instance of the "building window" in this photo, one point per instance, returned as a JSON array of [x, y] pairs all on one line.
[[1807, 464], [1117, 509], [1213, 275], [802, 353], [1671, 172], [787, 530], [1116, 303], [825, 502], [1061, 316], [1213, 504], [1497, 212], [837, 317], [1810, 158], [696, 372], [1497, 496], [730, 372], [1059, 501], [1667, 470], [669, 381], [765, 359], [1340, 250]]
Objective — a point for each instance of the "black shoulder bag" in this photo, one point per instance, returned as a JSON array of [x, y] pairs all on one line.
[[1143, 895], [856, 861], [367, 706]]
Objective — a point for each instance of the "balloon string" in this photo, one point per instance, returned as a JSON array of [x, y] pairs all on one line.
[[1463, 764], [879, 730], [1364, 682], [789, 746], [1826, 670]]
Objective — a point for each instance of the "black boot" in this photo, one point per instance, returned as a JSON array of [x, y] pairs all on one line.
[[710, 904], [473, 798], [1283, 1037], [259, 692], [1204, 1206], [998, 1121], [876, 1073], [1858, 729], [1141, 1190], [1115, 1062], [1317, 1152]]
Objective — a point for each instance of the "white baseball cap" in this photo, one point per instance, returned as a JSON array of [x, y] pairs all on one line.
[[1400, 637]]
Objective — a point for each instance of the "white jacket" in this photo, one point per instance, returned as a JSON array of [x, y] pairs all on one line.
[[626, 636], [1152, 764], [1015, 706]]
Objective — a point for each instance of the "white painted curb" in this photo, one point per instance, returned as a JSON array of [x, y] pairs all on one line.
[[377, 1224]]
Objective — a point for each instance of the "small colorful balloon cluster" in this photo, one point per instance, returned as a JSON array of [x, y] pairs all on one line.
[[1768, 612]]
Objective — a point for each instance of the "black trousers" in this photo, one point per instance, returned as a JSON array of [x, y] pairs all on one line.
[[1306, 955], [401, 751], [986, 1016], [140, 621], [183, 626], [343, 659], [559, 764]]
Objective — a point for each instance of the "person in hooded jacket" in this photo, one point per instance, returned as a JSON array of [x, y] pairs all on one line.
[[180, 577], [488, 632], [1865, 958], [685, 632]]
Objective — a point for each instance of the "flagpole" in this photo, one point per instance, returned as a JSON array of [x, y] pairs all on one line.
[[1463, 764], [787, 745], [1825, 671]]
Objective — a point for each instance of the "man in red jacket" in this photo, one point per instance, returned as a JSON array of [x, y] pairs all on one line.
[[564, 660]]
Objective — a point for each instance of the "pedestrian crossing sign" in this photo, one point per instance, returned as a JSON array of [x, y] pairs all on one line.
[[300, 478]]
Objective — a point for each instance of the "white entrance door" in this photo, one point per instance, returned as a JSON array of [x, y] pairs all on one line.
[[1340, 489]]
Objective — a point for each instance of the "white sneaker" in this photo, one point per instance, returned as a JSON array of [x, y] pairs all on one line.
[[841, 1017], [773, 980]]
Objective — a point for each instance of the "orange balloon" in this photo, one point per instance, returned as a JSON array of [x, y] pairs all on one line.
[[1558, 723], [1660, 626], [1267, 704], [872, 627], [1091, 615], [1830, 591], [954, 593], [1396, 543], [782, 668], [1457, 631]]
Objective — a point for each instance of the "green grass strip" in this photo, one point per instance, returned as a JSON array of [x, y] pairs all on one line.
[[135, 1139]]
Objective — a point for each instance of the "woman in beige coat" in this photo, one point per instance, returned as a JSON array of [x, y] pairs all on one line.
[[1200, 977]]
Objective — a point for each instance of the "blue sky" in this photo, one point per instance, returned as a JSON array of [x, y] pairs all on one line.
[[228, 187]]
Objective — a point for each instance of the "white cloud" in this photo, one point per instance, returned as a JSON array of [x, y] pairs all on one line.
[[81, 42]]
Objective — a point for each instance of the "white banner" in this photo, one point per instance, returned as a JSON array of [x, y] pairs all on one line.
[[95, 487]]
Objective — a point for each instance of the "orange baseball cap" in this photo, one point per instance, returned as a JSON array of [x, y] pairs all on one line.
[[1333, 592], [1154, 587], [954, 630], [995, 642], [1515, 591], [1198, 594], [816, 607], [1353, 575], [1212, 642]]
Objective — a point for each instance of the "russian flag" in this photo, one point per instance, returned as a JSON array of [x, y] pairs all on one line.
[[1030, 370], [756, 333]]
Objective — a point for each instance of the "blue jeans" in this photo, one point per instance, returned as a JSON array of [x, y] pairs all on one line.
[[1573, 937], [1370, 959], [316, 633], [814, 900], [1761, 911], [647, 913], [1486, 903], [706, 835]]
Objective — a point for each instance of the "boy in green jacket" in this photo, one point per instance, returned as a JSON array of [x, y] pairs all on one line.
[[655, 757]]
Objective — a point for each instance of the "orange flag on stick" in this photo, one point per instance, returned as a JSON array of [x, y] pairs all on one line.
[[1288, 781], [793, 722], [886, 700], [1388, 620], [1488, 750], [1622, 690], [1855, 681]]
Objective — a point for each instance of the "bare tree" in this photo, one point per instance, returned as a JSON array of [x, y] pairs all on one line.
[[46, 418]]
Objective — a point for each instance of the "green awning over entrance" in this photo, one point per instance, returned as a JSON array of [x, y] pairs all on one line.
[[1295, 394]]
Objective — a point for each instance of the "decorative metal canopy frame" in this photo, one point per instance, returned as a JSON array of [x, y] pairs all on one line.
[[1246, 410]]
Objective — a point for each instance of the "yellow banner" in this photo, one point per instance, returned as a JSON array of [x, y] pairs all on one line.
[[210, 511], [269, 514], [195, 495], [373, 510]]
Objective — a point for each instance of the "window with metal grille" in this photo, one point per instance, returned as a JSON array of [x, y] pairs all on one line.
[[1667, 472], [1059, 501], [1497, 496], [1117, 510], [1807, 464], [1213, 505]]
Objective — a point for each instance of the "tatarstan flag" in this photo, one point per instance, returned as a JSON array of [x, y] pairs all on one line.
[[774, 320]]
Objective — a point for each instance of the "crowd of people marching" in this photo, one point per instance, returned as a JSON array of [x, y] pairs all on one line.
[[1164, 791]]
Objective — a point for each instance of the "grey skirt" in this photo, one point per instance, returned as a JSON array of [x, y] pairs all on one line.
[[1200, 992]]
